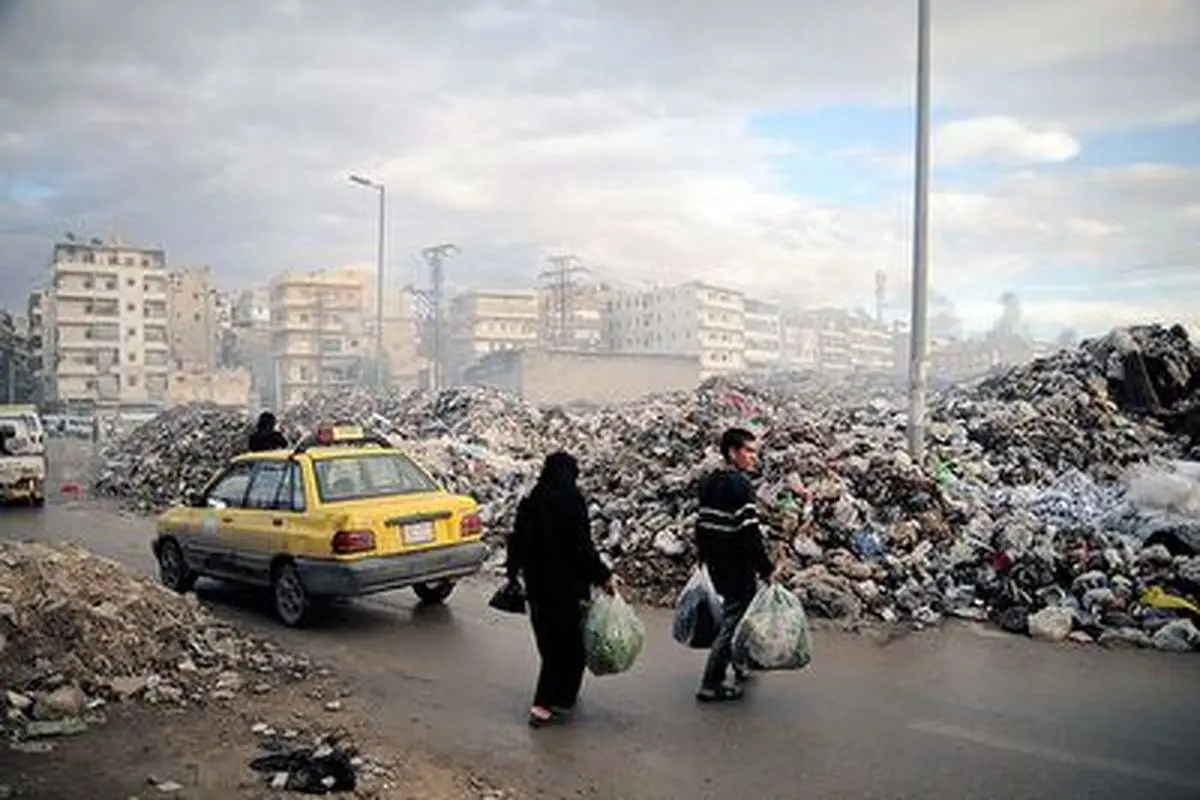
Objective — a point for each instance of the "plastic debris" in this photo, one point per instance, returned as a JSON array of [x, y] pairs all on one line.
[[1074, 465]]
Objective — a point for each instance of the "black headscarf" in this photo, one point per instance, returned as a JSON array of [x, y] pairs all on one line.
[[266, 421], [559, 473]]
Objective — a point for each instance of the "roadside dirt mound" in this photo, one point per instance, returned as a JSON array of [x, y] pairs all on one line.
[[69, 618]]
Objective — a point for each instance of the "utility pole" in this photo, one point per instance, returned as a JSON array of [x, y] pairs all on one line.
[[379, 266], [920, 266], [562, 285], [435, 256]]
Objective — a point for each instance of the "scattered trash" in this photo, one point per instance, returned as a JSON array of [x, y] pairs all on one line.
[[1072, 465], [83, 630]]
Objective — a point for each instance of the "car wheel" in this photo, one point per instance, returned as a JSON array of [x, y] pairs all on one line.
[[434, 593], [37, 502], [292, 603], [173, 570]]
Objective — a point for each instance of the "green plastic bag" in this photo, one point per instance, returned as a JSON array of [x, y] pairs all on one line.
[[612, 636], [774, 633]]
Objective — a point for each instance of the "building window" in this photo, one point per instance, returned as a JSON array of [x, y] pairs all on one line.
[[131, 332], [133, 381], [129, 261], [130, 307], [131, 357], [130, 282], [196, 317]]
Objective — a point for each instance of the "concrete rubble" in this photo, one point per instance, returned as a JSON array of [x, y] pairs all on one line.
[[78, 632], [1058, 489]]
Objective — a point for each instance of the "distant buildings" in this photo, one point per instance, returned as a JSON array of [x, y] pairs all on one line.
[[485, 321], [764, 335], [193, 320], [104, 325], [319, 340], [694, 318]]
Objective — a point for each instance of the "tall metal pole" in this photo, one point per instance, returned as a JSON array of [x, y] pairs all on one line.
[[379, 259], [379, 371], [920, 253]]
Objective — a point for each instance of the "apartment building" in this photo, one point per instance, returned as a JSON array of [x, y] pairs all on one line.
[[319, 340], [694, 318], [486, 321], [195, 327], [105, 323], [764, 335], [400, 341], [871, 347]]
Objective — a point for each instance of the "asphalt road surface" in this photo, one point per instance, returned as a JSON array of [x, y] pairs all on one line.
[[954, 714]]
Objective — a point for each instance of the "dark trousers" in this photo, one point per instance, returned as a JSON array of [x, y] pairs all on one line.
[[558, 629], [721, 655]]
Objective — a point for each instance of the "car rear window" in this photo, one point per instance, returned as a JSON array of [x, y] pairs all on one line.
[[365, 476]]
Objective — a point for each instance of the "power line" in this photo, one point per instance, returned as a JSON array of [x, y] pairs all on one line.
[[562, 287], [434, 257]]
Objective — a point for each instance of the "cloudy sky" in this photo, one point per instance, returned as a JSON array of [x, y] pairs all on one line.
[[764, 143]]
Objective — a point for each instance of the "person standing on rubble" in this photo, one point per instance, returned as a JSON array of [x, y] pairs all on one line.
[[551, 546], [266, 436], [730, 546]]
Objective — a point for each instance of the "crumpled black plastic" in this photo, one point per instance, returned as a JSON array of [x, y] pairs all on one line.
[[307, 771]]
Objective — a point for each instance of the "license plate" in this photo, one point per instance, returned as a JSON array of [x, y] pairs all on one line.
[[418, 533]]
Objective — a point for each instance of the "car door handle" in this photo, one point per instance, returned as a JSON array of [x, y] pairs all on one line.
[[226, 519], [277, 522]]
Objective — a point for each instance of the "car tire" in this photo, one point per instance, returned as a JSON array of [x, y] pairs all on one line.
[[434, 593], [173, 570], [37, 502], [290, 599]]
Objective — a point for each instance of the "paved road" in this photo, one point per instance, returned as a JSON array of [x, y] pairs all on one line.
[[956, 714]]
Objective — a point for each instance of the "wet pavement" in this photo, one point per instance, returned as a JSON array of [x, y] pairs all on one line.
[[958, 713]]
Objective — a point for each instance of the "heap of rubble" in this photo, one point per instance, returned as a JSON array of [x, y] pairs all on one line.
[[77, 631], [1021, 493]]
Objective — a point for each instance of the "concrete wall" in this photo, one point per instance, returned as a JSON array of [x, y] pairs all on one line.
[[557, 377]]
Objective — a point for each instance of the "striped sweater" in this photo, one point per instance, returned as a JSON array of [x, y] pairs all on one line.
[[728, 537]]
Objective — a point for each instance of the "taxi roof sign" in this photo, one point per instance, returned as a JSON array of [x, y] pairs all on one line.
[[340, 433]]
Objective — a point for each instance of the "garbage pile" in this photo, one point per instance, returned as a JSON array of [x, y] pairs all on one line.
[[78, 631], [1023, 467], [159, 462]]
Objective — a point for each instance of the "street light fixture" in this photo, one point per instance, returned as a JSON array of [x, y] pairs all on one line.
[[367, 183]]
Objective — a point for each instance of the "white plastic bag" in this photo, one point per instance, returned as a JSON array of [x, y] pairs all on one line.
[[774, 633], [612, 635], [698, 612]]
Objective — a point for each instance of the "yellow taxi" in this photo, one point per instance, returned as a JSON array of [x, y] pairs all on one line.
[[343, 514]]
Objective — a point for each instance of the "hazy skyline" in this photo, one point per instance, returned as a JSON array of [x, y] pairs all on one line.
[[763, 145]]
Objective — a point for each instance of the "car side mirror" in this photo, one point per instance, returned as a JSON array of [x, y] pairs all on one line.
[[195, 500]]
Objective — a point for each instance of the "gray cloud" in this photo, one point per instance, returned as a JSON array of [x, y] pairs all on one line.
[[224, 130]]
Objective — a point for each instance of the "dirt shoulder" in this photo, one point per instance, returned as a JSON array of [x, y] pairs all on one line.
[[202, 754]]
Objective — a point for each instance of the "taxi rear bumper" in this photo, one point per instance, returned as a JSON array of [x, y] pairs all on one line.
[[325, 578]]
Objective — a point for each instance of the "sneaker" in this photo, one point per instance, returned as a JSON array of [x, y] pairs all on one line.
[[722, 694]]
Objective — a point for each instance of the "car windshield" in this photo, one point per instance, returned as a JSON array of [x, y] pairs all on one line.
[[369, 475]]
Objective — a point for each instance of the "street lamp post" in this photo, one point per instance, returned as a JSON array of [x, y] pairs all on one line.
[[920, 252], [380, 188]]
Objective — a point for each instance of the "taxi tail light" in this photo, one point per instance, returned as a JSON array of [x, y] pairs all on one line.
[[324, 436], [348, 542], [470, 527]]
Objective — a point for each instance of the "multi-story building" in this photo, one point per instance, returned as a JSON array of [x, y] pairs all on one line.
[[194, 323], [36, 314], [481, 321], [764, 335], [691, 319], [106, 325], [16, 374], [319, 340], [801, 343], [871, 347]]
